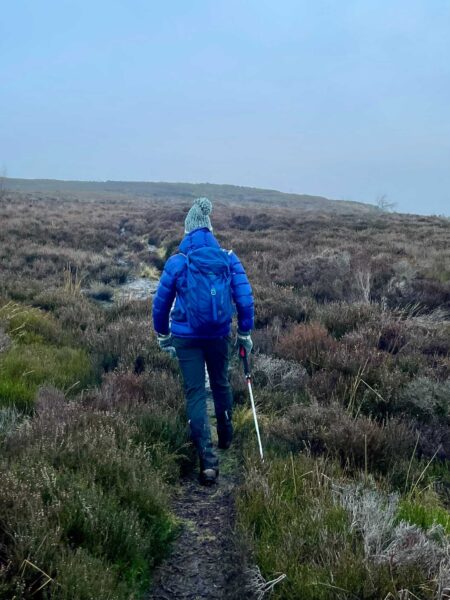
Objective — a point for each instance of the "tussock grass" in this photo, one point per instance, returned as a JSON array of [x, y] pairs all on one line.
[[425, 510], [329, 539], [24, 368]]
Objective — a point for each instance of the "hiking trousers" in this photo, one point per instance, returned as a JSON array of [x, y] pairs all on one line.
[[193, 354]]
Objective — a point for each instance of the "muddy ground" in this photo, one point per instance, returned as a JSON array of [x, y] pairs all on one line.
[[207, 561]]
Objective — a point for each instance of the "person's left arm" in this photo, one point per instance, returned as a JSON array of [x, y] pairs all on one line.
[[165, 295]]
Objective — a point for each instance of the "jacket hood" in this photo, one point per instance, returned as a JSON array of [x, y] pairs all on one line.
[[198, 239]]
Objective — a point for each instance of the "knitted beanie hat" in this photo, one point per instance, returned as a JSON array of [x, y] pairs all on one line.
[[198, 215]]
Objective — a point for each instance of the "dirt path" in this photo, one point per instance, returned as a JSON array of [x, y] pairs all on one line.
[[205, 563]]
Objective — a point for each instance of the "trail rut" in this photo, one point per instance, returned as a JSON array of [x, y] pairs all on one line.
[[206, 563]]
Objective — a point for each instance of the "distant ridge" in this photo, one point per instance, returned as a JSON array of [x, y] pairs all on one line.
[[185, 191]]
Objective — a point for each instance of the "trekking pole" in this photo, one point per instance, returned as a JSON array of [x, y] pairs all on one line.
[[248, 377]]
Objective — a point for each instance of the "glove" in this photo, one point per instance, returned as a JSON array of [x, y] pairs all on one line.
[[166, 344], [244, 339]]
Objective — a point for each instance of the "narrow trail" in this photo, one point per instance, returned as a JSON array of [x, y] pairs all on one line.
[[206, 562]]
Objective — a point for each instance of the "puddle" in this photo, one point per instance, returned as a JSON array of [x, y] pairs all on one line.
[[141, 288], [137, 289]]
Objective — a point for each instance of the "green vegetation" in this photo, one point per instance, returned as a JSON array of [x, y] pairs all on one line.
[[96, 490], [298, 526], [425, 510], [37, 357], [35, 364], [351, 376], [94, 464]]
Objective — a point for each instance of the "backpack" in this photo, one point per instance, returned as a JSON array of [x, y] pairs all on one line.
[[207, 290]]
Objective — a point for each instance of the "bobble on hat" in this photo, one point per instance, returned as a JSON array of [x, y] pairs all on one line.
[[204, 204], [198, 215]]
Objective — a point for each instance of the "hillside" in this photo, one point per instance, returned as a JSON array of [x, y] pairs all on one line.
[[351, 371], [185, 191]]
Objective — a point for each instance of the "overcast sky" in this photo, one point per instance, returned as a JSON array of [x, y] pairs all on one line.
[[345, 99]]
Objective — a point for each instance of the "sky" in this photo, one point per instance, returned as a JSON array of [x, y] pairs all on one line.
[[348, 100]]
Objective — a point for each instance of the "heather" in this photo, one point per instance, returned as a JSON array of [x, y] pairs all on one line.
[[91, 444], [351, 375]]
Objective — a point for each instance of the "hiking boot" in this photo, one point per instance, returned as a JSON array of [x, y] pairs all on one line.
[[208, 475]]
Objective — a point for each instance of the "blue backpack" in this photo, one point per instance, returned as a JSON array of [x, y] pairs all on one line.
[[207, 290]]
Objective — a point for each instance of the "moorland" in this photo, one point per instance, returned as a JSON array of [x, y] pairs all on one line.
[[351, 373]]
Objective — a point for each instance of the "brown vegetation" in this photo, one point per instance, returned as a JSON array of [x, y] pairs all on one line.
[[351, 376]]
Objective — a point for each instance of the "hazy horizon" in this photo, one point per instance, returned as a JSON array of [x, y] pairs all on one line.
[[343, 101]]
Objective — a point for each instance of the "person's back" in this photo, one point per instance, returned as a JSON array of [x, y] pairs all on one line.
[[197, 326]]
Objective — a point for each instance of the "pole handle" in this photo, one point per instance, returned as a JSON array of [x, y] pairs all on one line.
[[244, 357]]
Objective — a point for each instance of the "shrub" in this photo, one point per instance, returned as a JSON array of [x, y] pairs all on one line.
[[238, 383], [74, 312], [359, 443], [411, 363], [306, 343], [156, 261], [428, 293], [327, 385], [372, 514], [435, 340], [381, 399], [155, 403], [265, 338], [341, 317], [118, 344], [426, 399], [100, 497], [434, 440], [354, 355], [392, 336], [277, 373], [276, 301], [113, 274], [328, 276]]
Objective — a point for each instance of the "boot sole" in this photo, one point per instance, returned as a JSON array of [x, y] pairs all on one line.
[[208, 480]]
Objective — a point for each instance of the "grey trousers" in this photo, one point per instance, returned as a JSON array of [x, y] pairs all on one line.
[[193, 354]]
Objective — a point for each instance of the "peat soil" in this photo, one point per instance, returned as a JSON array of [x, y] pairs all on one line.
[[206, 562]]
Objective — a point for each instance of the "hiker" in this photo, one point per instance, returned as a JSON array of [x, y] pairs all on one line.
[[208, 285]]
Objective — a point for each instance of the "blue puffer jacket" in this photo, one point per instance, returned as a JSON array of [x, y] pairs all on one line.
[[169, 290]]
